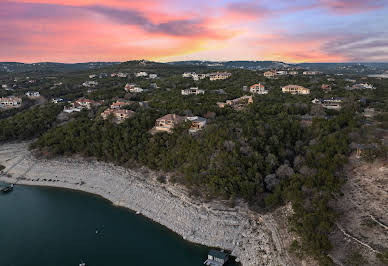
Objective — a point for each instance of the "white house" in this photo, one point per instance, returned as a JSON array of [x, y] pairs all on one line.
[[197, 123], [281, 73], [153, 76], [57, 100], [10, 102], [192, 91], [141, 74], [32, 94], [188, 74], [122, 75], [92, 76], [90, 83], [136, 89]]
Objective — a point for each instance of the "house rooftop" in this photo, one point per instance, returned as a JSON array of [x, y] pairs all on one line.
[[218, 254]]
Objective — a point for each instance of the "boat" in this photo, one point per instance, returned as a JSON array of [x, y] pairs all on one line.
[[82, 263], [7, 189]]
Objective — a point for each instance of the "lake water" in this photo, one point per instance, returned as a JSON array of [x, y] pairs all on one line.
[[56, 227]]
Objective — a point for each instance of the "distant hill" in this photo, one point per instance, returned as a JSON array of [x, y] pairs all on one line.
[[195, 65], [254, 65], [15, 67]]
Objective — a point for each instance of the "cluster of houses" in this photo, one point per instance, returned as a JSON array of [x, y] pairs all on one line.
[[119, 75], [101, 75], [123, 75], [361, 86], [271, 74], [118, 114], [145, 74], [10, 102], [168, 122], [211, 76]]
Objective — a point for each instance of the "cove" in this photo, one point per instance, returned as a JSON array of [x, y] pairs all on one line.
[[51, 226]]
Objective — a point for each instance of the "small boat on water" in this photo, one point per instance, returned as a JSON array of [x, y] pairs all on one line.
[[7, 189], [82, 263]]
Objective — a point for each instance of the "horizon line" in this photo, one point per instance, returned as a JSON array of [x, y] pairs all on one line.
[[213, 61]]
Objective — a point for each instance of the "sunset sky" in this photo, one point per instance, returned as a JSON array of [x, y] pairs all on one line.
[[171, 30]]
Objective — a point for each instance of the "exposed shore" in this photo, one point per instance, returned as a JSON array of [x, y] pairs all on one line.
[[254, 239]]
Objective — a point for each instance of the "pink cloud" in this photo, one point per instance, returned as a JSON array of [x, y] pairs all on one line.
[[351, 6]]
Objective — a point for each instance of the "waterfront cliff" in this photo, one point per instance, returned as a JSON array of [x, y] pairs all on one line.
[[253, 238]]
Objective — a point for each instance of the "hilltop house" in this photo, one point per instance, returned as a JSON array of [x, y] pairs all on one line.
[[237, 104], [197, 123], [188, 74], [168, 122], [133, 88], [90, 83], [118, 114], [312, 73], [10, 102], [80, 104], [294, 73], [331, 103], [295, 89], [194, 75], [219, 75], [153, 76], [92, 76], [57, 100], [122, 75], [141, 74], [119, 104], [281, 73], [326, 87], [32, 94], [270, 74], [258, 89], [192, 91]]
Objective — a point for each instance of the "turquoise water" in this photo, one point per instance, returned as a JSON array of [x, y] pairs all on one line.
[[47, 226]]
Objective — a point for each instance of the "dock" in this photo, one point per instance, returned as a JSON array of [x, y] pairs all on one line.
[[216, 258]]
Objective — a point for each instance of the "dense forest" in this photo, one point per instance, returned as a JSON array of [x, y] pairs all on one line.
[[29, 124]]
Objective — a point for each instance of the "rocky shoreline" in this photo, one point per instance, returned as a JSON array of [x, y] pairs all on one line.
[[252, 238]]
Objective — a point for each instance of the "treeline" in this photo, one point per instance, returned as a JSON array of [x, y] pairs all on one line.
[[29, 124]]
